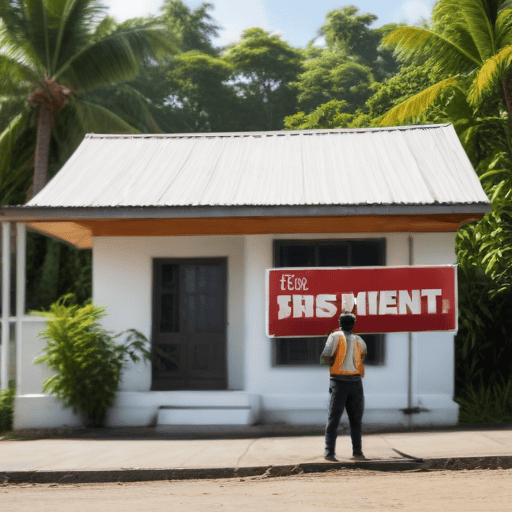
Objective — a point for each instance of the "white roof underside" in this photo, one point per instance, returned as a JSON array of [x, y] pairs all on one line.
[[406, 165]]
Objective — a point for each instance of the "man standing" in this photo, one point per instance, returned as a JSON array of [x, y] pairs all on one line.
[[345, 353]]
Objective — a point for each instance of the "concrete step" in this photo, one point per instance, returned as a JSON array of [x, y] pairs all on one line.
[[207, 408], [204, 415]]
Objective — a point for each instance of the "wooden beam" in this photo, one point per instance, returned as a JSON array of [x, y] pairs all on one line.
[[270, 225], [80, 233]]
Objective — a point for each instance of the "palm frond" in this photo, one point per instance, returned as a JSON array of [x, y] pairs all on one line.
[[489, 76], [97, 119], [75, 21], [7, 140], [10, 107], [417, 104], [504, 29], [114, 58], [480, 25], [82, 117], [10, 170], [18, 48], [135, 108], [14, 74], [448, 56]]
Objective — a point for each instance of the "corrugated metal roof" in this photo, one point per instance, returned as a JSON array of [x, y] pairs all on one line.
[[415, 165]]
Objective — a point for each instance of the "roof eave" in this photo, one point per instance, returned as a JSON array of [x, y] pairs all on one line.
[[60, 213]]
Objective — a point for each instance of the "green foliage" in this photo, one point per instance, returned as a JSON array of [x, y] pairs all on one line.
[[331, 74], [350, 33], [409, 81], [264, 66], [468, 39], [52, 54], [328, 115], [86, 359], [55, 269], [192, 30], [343, 72], [203, 92], [486, 404], [7, 408]]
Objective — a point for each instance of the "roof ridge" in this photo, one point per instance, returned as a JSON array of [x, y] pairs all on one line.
[[259, 134]]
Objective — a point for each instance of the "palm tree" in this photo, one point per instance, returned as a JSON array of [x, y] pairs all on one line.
[[469, 43], [52, 52]]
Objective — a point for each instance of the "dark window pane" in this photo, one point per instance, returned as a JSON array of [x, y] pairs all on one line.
[[297, 256], [168, 313], [169, 276], [214, 313], [375, 346], [204, 306], [335, 255], [200, 359], [167, 359], [308, 350], [298, 350], [357, 253], [366, 254], [190, 279]]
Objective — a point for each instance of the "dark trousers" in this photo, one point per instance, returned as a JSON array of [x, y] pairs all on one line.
[[345, 394]]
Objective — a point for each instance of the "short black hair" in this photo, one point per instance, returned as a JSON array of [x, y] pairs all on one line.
[[347, 321]]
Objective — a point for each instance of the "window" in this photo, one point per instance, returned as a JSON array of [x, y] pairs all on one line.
[[326, 253]]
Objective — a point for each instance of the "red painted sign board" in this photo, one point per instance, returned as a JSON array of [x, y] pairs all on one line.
[[305, 302]]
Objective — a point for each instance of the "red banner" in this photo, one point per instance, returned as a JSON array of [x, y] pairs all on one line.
[[308, 301]]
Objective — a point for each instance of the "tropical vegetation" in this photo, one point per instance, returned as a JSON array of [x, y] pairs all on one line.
[[87, 361], [53, 53], [6, 408], [469, 47], [67, 66]]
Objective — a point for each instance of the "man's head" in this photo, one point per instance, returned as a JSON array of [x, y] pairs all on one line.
[[347, 321]]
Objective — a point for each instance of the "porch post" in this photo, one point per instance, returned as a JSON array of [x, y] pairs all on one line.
[[6, 302], [21, 278]]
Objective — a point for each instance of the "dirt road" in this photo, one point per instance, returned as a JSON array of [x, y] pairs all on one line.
[[467, 491]]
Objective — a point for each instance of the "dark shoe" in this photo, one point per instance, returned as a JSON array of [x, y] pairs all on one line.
[[331, 458], [358, 457]]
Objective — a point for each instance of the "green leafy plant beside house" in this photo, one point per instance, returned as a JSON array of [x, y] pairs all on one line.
[[6, 408], [86, 359]]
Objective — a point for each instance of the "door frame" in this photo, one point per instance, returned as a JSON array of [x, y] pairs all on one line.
[[155, 304]]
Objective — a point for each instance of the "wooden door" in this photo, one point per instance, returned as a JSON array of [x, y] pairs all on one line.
[[189, 324]]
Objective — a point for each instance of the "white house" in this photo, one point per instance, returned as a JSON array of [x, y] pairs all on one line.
[[183, 228]]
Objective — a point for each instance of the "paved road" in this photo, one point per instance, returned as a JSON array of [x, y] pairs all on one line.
[[355, 490]]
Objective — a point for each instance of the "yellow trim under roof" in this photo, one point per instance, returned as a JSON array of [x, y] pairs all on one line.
[[70, 232]]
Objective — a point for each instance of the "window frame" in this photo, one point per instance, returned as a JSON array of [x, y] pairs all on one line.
[[380, 345]]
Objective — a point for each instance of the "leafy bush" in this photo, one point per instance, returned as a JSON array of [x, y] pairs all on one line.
[[87, 359], [6, 408], [482, 403], [484, 253]]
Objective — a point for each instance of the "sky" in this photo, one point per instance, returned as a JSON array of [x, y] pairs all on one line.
[[296, 20]]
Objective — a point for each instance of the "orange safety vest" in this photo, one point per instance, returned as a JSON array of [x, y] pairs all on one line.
[[339, 357]]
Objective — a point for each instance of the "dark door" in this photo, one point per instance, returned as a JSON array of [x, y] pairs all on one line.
[[189, 324]]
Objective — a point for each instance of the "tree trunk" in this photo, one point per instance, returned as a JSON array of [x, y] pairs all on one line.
[[42, 154], [508, 106]]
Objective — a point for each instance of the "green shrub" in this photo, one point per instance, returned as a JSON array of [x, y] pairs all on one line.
[[483, 403], [6, 408], [87, 359]]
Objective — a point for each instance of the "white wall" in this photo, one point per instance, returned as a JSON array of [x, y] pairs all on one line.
[[299, 394], [33, 409], [123, 280]]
